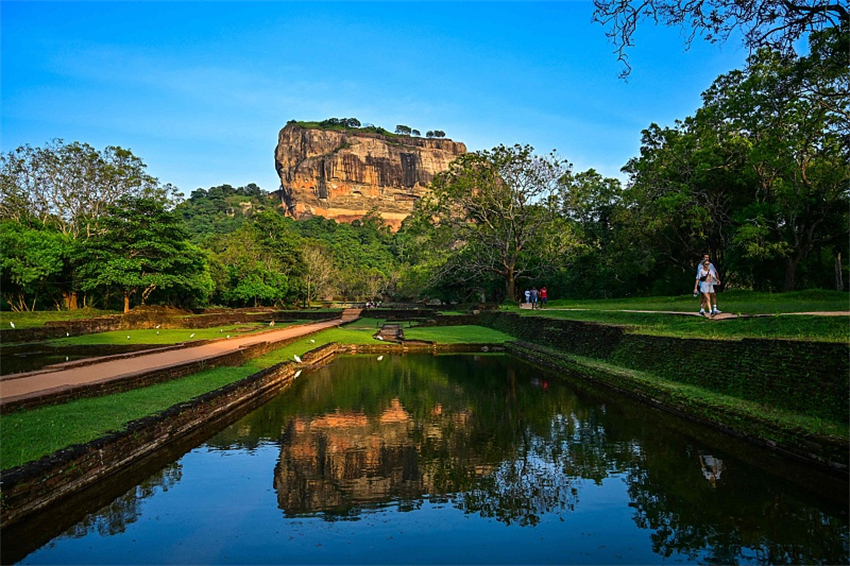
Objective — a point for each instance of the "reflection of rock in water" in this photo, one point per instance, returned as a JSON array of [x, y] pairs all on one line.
[[341, 459]]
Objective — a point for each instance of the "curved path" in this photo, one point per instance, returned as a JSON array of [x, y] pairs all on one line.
[[62, 377]]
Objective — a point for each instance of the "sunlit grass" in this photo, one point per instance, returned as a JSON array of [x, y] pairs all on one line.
[[775, 326], [164, 335], [38, 318]]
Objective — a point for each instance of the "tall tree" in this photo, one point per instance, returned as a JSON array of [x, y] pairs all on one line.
[[70, 185], [141, 246], [789, 110], [33, 263], [498, 205]]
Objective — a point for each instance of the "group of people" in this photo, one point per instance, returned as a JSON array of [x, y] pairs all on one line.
[[704, 287], [536, 298]]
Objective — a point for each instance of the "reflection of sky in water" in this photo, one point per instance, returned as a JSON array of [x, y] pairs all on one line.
[[171, 525], [401, 468]]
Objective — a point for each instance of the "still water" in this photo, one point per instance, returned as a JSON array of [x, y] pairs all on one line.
[[461, 460]]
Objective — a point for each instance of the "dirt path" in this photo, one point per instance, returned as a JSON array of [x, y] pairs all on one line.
[[16, 387], [721, 316]]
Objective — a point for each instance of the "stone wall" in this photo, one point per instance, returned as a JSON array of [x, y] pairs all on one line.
[[827, 452], [810, 378]]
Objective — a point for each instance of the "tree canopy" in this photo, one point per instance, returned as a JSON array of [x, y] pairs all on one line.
[[775, 24]]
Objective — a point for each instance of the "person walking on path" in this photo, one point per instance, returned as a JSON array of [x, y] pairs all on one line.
[[712, 303], [544, 296], [705, 283], [527, 296], [533, 298]]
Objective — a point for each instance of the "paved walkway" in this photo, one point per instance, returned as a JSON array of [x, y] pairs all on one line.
[[16, 387]]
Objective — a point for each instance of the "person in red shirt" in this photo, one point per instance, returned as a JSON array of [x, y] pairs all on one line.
[[544, 296]]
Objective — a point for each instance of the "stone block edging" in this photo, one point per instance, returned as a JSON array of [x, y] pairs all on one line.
[[828, 453]]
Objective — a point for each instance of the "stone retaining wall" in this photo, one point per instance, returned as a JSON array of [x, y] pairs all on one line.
[[811, 378], [830, 453]]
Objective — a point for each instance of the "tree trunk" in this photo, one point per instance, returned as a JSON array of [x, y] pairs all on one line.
[[510, 286], [70, 300], [126, 302], [839, 273], [791, 263]]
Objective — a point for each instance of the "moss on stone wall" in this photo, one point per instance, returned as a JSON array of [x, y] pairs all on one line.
[[811, 378]]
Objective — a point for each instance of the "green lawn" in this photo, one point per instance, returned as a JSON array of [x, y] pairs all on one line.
[[739, 302], [38, 318], [778, 326], [164, 335]]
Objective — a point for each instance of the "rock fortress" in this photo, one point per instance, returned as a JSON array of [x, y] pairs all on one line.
[[344, 174]]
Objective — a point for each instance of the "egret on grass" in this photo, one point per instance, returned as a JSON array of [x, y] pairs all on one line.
[[380, 358], [13, 324], [192, 335], [297, 359], [381, 338], [312, 341], [297, 373], [128, 337]]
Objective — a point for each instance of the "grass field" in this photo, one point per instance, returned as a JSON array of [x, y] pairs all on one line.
[[782, 324]]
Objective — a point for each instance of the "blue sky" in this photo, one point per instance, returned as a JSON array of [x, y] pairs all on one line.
[[200, 90]]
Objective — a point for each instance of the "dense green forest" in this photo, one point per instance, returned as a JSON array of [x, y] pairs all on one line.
[[758, 177]]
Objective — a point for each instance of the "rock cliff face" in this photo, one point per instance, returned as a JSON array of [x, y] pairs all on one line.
[[345, 174]]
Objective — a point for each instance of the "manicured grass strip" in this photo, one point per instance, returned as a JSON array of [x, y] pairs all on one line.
[[38, 318], [457, 334], [30, 435], [747, 302], [782, 327], [164, 335]]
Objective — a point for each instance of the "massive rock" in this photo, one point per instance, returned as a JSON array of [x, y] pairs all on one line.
[[346, 174]]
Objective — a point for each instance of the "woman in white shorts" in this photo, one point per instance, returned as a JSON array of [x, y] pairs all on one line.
[[706, 282]]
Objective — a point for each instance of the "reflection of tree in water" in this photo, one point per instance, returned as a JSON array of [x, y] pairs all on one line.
[[739, 518], [125, 510], [479, 435]]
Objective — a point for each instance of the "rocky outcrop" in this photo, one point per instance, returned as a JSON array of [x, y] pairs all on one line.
[[345, 174]]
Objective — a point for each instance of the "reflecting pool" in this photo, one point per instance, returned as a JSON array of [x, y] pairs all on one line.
[[456, 459]]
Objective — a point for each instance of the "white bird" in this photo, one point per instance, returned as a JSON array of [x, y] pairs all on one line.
[[312, 341], [297, 373], [67, 334], [221, 330], [157, 332], [228, 335], [297, 359], [380, 358], [13, 324], [158, 325], [379, 338], [271, 323], [128, 337], [192, 335]]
